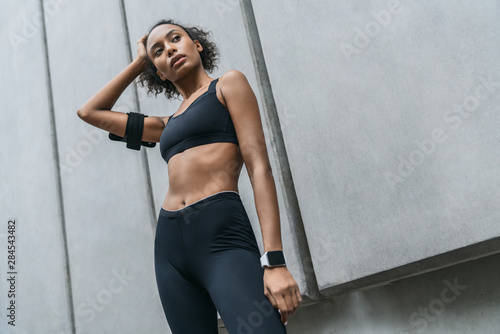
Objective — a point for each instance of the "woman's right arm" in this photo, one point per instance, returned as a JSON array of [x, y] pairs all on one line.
[[97, 110]]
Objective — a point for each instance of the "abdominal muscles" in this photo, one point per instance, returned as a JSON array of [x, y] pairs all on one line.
[[201, 171]]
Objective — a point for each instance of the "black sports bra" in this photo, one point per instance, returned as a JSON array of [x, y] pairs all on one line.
[[205, 121]]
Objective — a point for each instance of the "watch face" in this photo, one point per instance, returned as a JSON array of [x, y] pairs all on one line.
[[275, 258]]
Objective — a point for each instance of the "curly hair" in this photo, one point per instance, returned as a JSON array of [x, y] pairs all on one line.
[[209, 57]]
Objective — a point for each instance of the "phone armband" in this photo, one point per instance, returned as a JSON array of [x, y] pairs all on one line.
[[133, 132]]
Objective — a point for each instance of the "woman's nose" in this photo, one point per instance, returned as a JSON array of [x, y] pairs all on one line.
[[171, 49]]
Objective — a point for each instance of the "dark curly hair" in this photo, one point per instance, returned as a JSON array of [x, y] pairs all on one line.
[[209, 57]]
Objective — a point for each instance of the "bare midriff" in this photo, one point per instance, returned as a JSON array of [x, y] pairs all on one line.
[[201, 171]]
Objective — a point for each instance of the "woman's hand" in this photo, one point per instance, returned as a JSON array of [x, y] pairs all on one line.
[[141, 50], [282, 291]]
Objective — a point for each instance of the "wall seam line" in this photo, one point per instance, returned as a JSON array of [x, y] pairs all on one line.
[[284, 172], [144, 153], [55, 151]]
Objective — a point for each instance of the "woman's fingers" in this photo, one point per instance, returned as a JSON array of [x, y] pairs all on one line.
[[282, 291], [271, 298], [282, 303], [292, 297], [294, 300], [297, 300], [284, 307], [141, 47]]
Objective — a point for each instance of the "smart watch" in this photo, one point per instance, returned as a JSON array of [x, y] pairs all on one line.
[[273, 259]]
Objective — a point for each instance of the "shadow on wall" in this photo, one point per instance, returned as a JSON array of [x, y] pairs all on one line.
[[447, 300]]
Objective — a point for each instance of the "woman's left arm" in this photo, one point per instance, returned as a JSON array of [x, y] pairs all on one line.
[[279, 285]]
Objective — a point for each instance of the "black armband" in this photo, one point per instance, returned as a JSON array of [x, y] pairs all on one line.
[[133, 132]]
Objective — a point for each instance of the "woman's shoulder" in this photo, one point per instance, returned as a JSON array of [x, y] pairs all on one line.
[[232, 77], [233, 82], [233, 85]]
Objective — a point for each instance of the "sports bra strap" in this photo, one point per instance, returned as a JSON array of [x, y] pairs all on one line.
[[211, 88]]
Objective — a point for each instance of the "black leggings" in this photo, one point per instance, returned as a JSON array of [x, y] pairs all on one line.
[[207, 260]]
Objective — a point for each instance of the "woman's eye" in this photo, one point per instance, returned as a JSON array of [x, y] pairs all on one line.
[[158, 51]]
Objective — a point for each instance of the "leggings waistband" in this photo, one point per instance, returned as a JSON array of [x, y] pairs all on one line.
[[199, 204]]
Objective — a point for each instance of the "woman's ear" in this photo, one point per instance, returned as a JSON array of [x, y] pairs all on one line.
[[199, 47], [161, 75]]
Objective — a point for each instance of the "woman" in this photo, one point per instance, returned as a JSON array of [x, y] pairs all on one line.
[[206, 254]]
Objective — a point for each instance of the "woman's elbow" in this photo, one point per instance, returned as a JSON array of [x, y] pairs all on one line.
[[82, 113]]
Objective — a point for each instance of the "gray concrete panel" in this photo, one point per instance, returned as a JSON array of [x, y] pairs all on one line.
[[464, 298], [28, 182], [388, 110], [108, 213]]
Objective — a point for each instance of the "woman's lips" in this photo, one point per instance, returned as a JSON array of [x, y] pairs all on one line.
[[179, 61]]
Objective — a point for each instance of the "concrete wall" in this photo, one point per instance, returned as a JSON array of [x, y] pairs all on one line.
[[381, 123], [391, 130], [464, 298], [28, 184]]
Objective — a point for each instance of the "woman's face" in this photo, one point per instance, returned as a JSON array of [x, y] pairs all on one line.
[[172, 51]]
